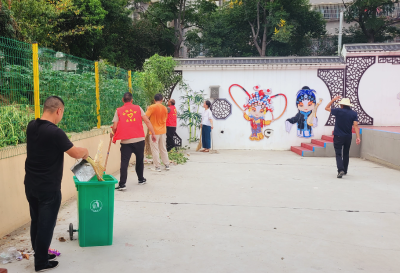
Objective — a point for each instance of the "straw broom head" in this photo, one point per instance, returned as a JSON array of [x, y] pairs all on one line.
[[98, 168]]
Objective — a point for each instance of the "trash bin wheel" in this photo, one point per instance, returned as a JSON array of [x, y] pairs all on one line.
[[71, 231]]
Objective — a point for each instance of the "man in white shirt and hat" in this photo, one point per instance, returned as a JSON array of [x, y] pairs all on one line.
[[342, 134]]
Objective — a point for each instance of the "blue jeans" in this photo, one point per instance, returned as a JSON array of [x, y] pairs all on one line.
[[206, 136], [44, 207]]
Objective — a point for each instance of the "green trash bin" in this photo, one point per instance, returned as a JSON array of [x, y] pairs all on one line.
[[95, 211]]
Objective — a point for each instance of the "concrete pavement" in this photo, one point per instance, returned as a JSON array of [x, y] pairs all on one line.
[[243, 211]]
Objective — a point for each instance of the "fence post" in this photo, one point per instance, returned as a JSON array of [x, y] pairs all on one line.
[[130, 81], [96, 72], [35, 60]]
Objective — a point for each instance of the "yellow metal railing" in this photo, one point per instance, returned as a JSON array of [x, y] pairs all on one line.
[[96, 71], [130, 81], [35, 59]]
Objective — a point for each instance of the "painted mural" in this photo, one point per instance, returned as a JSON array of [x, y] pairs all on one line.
[[256, 108], [306, 119]]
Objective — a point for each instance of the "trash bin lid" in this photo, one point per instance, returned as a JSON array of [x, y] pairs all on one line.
[[108, 179]]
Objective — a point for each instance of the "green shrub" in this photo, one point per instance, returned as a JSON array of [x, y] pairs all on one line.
[[13, 122]]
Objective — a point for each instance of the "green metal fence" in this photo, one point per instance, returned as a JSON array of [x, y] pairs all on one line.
[[71, 78], [16, 91]]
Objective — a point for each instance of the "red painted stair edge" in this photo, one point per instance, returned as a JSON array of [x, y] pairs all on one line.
[[320, 142], [311, 146], [299, 150], [329, 138]]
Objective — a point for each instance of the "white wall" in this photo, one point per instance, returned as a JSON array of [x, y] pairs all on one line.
[[378, 93], [236, 129]]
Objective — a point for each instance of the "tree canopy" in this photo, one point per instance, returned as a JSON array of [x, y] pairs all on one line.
[[257, 27], [373, 18]]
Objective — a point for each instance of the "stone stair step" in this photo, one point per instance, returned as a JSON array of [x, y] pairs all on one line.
[[300, 150], [311, 146], [321, 142], [329, 138]]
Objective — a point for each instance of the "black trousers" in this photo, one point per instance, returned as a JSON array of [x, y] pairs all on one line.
[[170, 138], [342, 150], [44, 207], [126, 153]]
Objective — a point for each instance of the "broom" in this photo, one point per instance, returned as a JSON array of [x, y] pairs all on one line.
[[96, 163], [98, 168], [108, 153], [199, 145]]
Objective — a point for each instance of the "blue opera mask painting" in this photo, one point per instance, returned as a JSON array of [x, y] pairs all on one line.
[[306, 119]]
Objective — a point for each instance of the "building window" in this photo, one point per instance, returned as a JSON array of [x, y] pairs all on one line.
[[330, 12]]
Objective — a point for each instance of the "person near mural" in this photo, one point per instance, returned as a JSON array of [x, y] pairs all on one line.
[[306, 119], [206, 127], [128, 127], [258, 105], [345, 120], [171, 124], [158, 115], [45, 147]]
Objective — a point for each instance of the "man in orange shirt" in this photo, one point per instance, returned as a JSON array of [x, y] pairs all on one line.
[[158, 114]]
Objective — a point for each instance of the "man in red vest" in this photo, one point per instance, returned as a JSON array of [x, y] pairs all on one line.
[[128, 128], [171, 124]]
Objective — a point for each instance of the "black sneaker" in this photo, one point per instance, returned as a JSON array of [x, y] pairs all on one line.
[[143, 181], [340, 174], [50, 265], [121, 188], [52, 257]]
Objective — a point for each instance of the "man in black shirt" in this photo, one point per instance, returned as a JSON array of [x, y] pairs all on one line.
[[342, 134], [46, 144]]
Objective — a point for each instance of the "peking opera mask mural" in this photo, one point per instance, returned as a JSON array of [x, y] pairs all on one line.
[[306, 119], [257, 105]]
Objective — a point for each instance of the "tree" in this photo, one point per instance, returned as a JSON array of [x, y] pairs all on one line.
[[78, 27], [374, 19], [70, 26], [221, 34], [8, 26], [125, 42], [258, 27], [164, 70], [178, 16], [37, 18]]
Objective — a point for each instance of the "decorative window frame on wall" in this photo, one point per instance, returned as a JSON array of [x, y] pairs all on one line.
[[214, 92], [221, 109], [394, 60], [177, 140], [172, 87], [345, 83]]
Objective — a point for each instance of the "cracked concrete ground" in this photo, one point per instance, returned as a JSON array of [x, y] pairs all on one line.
[[244, 211]]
